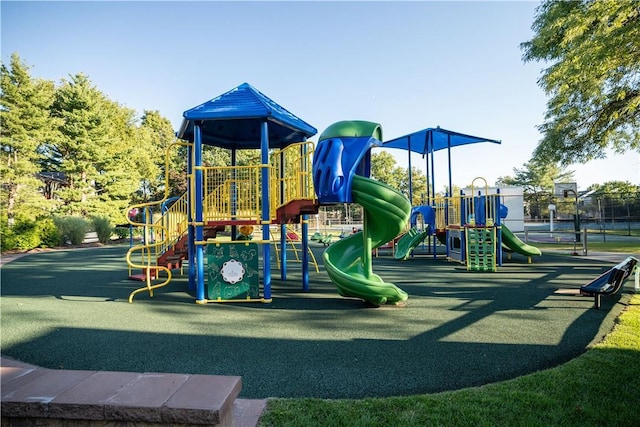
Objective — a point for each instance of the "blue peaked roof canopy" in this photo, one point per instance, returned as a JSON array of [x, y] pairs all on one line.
[[433, 139], [234, 120]]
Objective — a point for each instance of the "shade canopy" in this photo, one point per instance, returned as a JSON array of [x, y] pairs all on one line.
[[433, 139], [234, 120]]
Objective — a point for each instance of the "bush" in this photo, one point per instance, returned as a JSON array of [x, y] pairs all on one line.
[[72, 229], [121, 232], [26, 235], [103, 228], [6, 234], [49, 234]]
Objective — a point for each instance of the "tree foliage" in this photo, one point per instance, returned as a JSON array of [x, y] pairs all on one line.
[[384, 169], [593, 77], [537, 181], [155, 136], [96, 150], [100, 154], [382, 166], [26, 126]]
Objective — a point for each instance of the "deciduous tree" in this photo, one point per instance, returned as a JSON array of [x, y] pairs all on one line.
[[537, 180], [592, 49]]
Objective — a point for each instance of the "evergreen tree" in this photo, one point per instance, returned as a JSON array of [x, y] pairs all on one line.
[[94, 151], [26, 126]]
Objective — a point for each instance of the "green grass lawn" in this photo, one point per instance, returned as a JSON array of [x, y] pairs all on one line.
[[600, 387]]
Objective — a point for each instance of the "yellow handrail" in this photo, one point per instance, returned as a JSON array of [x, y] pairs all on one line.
[[150, 250]]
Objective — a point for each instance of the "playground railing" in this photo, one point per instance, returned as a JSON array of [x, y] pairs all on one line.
[[174, 223], [471, 209], [232, 192], [235, 192], [292, 174], [454, 215]]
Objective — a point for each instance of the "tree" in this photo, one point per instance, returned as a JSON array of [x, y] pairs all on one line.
[[537, 180], [384, 169], [593, 79], [156, 134], [96, 150], [382, 166], [615, 199], [418, 185], [26, 126]]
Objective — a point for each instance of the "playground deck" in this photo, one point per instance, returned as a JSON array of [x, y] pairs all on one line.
[[68, 310]]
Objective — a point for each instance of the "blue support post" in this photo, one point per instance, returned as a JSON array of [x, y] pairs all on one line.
[[498, 224], [283, 251], [305, 253], [234, 194], [446, 224], [410, 174], [198, 196], [463, 231], [191, 247], [283, 227], [432, 196], [266, 247], [305, 237]]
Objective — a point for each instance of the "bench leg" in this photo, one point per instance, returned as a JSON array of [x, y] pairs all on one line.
[[597, 301]]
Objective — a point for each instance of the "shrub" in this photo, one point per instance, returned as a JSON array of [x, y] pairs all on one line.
[[49, 233], [26, 235], [72, 229], [121, 232], [6, 234], [103, 228]]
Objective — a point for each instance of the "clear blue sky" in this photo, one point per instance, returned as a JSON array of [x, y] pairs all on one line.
[[406, 65]]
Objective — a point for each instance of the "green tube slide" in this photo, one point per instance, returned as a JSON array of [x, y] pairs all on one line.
[[512, 242], [409, 241], [348, 261]]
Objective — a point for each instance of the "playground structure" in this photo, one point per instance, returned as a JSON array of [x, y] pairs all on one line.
[[341, 170], [275, 192], [470, 226], [290, 182]]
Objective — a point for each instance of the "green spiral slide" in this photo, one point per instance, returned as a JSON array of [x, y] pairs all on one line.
[[348, 261]]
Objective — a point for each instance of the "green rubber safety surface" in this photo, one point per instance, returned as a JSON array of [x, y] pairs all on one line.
[[69, 310]]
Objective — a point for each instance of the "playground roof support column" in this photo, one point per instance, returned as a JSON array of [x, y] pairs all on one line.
[[428, 170], [266, 215], [305, 230], [449, 159], [433, 174], [191, 248], [200, 294], [234, 194], [283, 226], [410, 175]]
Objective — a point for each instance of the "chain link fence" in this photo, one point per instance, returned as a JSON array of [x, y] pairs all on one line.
[[615, 212]]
